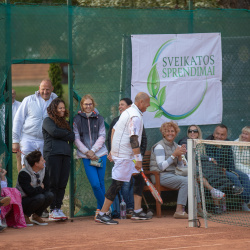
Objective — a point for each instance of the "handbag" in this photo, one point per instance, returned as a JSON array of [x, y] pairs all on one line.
[[96, 163], [182, 171]]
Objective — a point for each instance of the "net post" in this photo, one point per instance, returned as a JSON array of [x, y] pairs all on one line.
[[70, 87], [192, 202]]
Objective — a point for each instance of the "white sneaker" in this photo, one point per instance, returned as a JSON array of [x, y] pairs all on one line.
[[63, 216], [245, 207], [217, 194], [54, 215]]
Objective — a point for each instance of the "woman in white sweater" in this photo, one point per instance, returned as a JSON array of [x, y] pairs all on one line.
[[242, 153]]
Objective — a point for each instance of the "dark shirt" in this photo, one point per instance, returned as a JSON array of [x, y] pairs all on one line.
[[56, 139], [222, 154], [24, 180]]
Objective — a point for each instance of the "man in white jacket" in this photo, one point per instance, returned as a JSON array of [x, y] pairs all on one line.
[[27, 125]]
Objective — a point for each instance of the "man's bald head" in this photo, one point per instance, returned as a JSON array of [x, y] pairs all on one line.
[[45, 89], [142, 101]]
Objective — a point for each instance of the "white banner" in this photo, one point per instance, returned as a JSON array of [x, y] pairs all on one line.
[[182, 74]]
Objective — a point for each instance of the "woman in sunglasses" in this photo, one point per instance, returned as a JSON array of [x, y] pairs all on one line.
[[90, 138], [193, 132], [214, 178]]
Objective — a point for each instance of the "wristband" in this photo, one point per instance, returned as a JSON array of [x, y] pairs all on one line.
[[172, 157], [138, 157]]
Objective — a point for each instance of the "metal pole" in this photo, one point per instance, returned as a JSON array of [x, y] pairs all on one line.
[[192, 202], [8, 89], [70, 86], [122, 67], [190, 23]]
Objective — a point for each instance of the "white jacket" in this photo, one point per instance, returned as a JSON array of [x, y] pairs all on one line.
[[15, 107], [121, 146], [29, 117]]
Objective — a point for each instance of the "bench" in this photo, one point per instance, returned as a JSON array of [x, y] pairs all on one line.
[[147, 172]]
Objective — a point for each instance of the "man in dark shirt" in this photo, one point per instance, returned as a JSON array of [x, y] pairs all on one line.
[[33, 184], [223, 156]]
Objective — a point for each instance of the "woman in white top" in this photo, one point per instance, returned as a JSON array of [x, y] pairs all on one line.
[[242, 153]]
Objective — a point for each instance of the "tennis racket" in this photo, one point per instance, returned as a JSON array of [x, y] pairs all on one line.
[[151, 187]]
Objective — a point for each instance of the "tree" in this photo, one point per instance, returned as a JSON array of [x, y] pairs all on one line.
[[55, 75]]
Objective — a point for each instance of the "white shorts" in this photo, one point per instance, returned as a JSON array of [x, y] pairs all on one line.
[[27, 146], [123, 169]]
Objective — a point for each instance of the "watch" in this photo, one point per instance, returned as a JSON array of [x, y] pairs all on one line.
[[172, 157]]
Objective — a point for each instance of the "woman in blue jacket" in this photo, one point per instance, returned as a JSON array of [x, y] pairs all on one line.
[[57, 135]]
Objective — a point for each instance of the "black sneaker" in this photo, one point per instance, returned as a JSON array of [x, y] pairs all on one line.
[[105, 219], [237, 190], [140, 216], [129, 213], [217, 210]]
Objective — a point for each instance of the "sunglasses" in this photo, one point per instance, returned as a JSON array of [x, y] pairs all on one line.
[[193, 131], [37, 179]]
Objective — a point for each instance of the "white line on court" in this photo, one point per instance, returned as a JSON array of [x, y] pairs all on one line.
[[192, 247], [167, 237], [146, 239]]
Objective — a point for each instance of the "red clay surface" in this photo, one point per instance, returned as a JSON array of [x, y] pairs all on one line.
[[158, 233]]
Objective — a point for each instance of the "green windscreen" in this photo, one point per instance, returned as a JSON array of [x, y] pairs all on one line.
[[96, 43]]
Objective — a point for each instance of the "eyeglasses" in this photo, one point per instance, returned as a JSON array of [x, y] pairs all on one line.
[[193, 131], [37, 179], [87, 104]]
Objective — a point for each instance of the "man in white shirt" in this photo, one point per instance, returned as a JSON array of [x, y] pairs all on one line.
[[27, 125], [125, 148], [15, 106]]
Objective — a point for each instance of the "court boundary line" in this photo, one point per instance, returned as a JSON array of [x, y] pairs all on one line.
[[124, 241]]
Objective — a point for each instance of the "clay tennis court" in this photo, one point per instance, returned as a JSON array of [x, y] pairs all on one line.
[[158, 233]]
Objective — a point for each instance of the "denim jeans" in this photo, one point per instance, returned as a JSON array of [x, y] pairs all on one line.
[[241, 181], [96, 178]]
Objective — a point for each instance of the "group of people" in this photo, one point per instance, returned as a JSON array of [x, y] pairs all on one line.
[[41, 133], [43, 137], [221, 166]]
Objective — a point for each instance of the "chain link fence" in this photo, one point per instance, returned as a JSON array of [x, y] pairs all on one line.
[[96, 43]]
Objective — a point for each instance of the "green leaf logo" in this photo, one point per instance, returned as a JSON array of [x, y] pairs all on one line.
[[162, 96], [159, 113], [153, 82], [153, 85]]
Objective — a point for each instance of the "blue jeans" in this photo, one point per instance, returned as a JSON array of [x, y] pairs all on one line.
[[127, 192], [96, 178], [241, 181]]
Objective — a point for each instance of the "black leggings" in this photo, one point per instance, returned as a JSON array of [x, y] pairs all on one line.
[[58, 167], [116, 186]]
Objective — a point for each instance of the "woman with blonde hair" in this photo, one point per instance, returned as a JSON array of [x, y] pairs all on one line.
[[166, 155], [90, 137], [242, 153]]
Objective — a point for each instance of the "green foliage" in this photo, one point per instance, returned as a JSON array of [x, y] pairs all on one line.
[[47, 2], [55, 75], [169, 4]]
